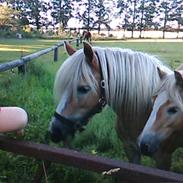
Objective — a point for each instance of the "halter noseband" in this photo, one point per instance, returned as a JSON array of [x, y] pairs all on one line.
[[98, 107], [69, 123]]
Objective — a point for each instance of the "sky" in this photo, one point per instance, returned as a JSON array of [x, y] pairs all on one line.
[[77, 24]]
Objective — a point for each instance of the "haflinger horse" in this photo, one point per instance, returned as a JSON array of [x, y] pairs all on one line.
[[163, 132], [90, 78], [86, 36]]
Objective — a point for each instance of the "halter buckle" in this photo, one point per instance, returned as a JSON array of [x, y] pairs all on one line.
[[102, 83], [102, 102]]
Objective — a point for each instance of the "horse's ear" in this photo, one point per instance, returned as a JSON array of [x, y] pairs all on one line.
[[70, 50], [161, 73], [88, 51], [89, 54], [178, 78]]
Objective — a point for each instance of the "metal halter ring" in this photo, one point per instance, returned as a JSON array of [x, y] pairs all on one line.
[[102, 102], [102, 83]]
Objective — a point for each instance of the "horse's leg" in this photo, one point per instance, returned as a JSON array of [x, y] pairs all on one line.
[[130, 146], [163, 159]]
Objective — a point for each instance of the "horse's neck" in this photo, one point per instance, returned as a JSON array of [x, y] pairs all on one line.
[[130, 95]]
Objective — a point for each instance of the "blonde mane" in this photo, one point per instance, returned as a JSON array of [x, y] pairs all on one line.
[[130, 78]]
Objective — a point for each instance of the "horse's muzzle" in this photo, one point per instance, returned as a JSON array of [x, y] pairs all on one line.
[[149, 144], [59, 131]]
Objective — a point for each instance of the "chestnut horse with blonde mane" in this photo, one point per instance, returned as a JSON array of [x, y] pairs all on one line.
[[163, 132], [86, 36], [93, 77]]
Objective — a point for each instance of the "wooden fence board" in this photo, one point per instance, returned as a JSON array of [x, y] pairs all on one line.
[[19, 62]]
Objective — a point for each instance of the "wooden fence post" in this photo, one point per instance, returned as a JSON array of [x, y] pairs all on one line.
[[56, 54], [77, 42], [22, 69]]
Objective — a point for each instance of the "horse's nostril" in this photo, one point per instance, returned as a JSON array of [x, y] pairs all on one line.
[[145, 148], [55, 135]]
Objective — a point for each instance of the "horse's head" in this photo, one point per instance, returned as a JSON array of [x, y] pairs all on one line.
[[79, 92], [166, 117]]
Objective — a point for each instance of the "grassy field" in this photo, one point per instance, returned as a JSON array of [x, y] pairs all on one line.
[[33, 92]]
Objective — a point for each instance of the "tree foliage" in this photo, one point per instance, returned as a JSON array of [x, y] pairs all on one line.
[[8, 17], [147, 12], [123, 12], [102, 15], [87, 16], [61, 11], [177, 13]]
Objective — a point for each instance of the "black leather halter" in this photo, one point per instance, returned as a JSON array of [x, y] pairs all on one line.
[[78, 125]]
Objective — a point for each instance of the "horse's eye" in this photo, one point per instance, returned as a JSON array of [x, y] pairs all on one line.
[[83, 89], [172, 110]]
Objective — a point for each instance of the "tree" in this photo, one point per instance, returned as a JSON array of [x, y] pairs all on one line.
[[32, 9], [45, 15], [18, 6], [177, 12], [128, 13], [124, 13], [147, 12], [134, 12], [102, 15], [142, 10], [129, 10], [165, 9], [61, 12], [87, 16], [8, 17]]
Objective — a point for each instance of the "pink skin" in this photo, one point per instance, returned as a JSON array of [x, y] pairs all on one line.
[[12, 119]]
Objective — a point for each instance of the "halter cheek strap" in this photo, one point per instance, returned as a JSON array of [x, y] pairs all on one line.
[[102, 100]]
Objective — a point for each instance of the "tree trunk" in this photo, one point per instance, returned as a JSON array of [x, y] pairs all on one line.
[[141, 20], [165, 22], [37, 23], [178, 29], [134, 14], [99, 28], [88, 23]]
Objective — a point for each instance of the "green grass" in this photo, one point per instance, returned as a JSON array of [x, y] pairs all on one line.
[[11, 49], [33, 92], [169, 52]]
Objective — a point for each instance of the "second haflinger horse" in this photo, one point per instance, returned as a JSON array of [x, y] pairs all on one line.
[[93, 77], [163, 132]]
